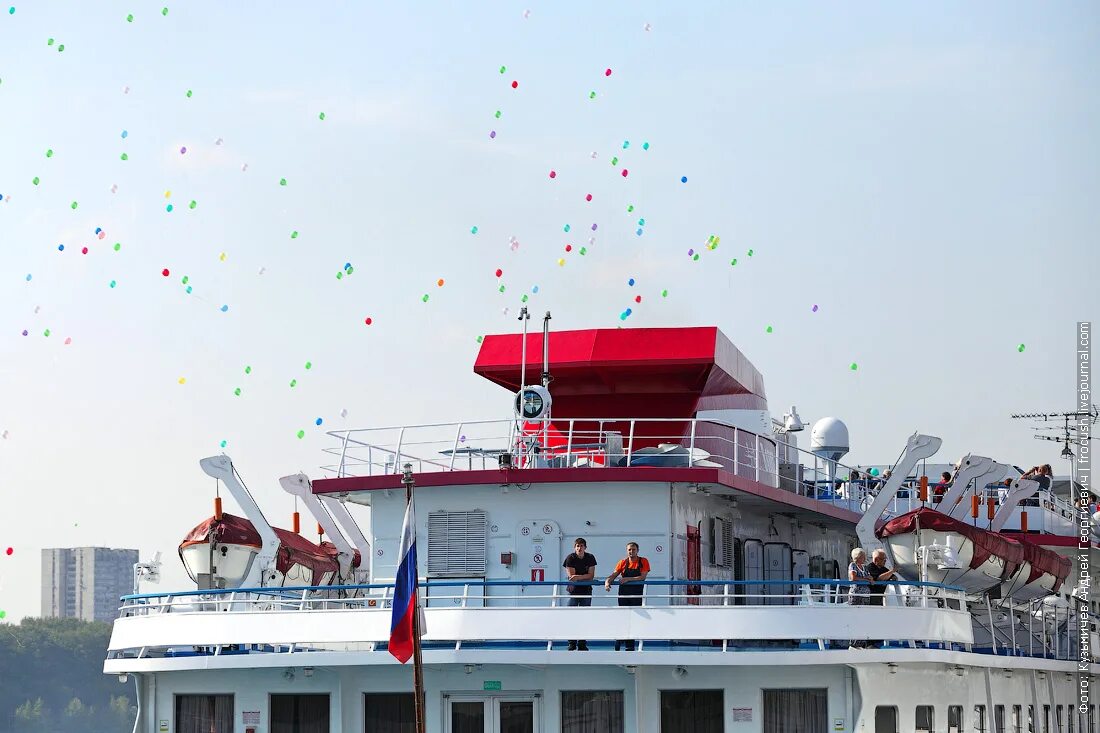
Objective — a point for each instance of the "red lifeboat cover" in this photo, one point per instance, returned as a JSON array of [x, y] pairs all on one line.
[[986, 543], [293, 548]]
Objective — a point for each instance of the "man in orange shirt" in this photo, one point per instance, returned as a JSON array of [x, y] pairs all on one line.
[[631, 571]]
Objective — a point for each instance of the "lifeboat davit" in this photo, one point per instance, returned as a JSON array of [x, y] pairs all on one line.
[[226, 548], [984, 560]]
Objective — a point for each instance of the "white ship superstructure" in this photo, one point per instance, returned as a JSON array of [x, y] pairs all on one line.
[[657, 436]]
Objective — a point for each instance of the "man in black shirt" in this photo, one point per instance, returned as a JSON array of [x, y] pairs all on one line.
[[580, 566], [878, 572]]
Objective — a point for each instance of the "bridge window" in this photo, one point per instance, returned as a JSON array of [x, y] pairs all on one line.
[[1059, 723], [299, 713], [389, 712], [204, 714], [980, 726], [886, 719], [925, 719], [1069, 718], [999, 719], [586, 711], [692, 711], [456, 544], [954, 719], [1046, 719], [801, 710], [1017, 719]]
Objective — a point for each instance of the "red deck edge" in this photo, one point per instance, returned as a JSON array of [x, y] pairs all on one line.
[[585, 475]]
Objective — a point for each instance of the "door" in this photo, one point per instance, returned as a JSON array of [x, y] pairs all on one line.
[[694, 562], [491, 714]]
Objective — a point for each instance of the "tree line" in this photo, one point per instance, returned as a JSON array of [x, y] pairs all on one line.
[[52, 681]]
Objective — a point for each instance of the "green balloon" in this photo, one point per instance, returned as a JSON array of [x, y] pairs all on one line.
[[322, 116], [35, 180], [130, 18]]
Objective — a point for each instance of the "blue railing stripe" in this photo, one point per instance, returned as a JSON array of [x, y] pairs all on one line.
[[279, 591]]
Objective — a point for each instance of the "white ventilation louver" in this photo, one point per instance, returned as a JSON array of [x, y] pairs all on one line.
[[457, 544]]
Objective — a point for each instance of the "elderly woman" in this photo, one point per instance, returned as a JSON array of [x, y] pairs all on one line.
[[859, 594]]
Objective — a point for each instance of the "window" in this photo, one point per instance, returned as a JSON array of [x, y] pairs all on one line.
[[886, 719], [955, 719], [692, 711], [803, 710], [1069, 718], [925, 720], [1017, 719], [1046, 719], [299, 713], [588, 711], [999, 719], [1059, 723], [204, 714], [1030, 719], [979, 719], [456, 544], [389, 712]]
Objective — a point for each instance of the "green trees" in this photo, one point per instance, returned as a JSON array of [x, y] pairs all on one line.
[[53, 679]]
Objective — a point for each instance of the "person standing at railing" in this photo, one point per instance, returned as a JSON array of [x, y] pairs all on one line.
[[631, 571], [859, 593], [580, 566]]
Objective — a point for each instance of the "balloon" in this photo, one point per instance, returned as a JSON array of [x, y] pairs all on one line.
[[768, 329], [165, 272], [118, 246], [625, 172], [588, 197], [637, 299], [293, 383], [282, 181], [344, 412], [318, 421], [1021, 348], [321, 116], [607, 73], [492, 134], [183, 150], [309, 365], [515, 85], [124, 156], [368, 320], [664, 293], [237, 391], [182, 380], [645, 146], [630, 282], [815, 309], [473, 230], [125, 134], [248, 370], [683, 179], [854, 366], [225, 308], [553, 174], [301, 434], [499, 272]]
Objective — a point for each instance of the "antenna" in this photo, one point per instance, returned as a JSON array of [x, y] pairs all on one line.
[[546, 350], [523, 316], [147, 571], [1070, 429]]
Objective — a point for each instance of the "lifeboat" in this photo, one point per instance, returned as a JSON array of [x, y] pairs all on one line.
[[225, 549], [984, 560]]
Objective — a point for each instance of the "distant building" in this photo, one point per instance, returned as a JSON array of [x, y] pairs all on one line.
[[86, 582]]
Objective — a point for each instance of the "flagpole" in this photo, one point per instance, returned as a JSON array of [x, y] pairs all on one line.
[[418, 663]]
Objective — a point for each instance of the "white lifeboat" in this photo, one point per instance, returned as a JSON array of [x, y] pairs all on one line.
[[983, 559], [225, 549]]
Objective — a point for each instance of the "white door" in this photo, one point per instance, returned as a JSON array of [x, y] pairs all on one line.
[[494, 714]]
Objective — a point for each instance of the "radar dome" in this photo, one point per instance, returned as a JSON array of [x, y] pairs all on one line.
[[829, 438]]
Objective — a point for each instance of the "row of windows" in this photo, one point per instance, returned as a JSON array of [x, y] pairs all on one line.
[[1053, 719], [582, 711]]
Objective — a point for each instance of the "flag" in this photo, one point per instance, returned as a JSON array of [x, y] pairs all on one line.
[[404, 592]]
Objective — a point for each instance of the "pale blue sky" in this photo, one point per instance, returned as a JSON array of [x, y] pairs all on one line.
[[926, 173]]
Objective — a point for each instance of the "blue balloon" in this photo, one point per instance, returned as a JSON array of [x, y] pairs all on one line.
[[60, 248], [319, 421], [683, 179], [630, 282], [225, 308], [125, 134]]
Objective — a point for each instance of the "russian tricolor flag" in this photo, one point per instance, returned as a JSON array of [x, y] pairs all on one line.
[[404, 593]]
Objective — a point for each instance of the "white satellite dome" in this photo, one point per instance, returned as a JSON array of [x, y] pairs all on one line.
[[829, 438]]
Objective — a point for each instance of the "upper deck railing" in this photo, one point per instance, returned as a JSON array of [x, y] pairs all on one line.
[[672, 615], [586, 443]]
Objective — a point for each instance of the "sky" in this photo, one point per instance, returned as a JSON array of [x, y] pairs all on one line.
[[926, 174]]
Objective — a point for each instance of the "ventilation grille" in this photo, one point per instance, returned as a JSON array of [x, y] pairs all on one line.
[[456, 544], [722, 542]]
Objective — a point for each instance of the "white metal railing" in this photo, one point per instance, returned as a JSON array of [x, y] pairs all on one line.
[[810, 613], [587, 443]]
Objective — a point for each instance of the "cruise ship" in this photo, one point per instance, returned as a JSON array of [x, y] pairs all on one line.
[[746, 621]]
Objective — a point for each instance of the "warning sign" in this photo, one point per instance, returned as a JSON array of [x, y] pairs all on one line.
[[538, 574], [537, 558]]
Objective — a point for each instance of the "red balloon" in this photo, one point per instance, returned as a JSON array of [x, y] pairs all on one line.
[[368, 321], [165, 272], [553, 174], [625, 172], [84, 251], [588, 197], [637, 299], [515, 85], [10, 550], [499, 272], [607, 73], [568, 248]]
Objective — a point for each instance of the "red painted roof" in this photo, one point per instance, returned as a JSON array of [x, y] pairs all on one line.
[[636, 372]]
